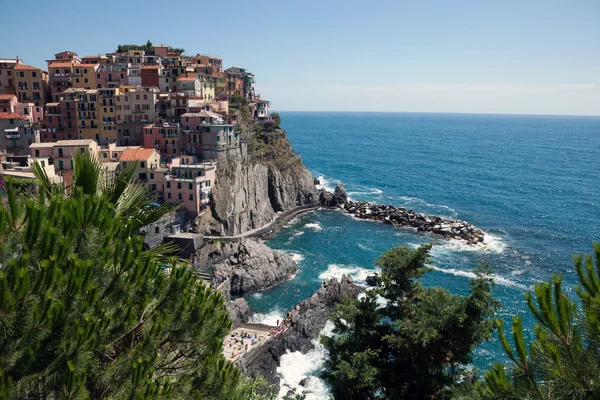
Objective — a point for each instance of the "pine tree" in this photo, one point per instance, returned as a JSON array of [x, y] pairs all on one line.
[[86, 312], [404, 341], [563, 359]]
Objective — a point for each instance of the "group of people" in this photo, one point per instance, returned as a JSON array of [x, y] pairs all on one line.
[[242, 341], [217, 279]]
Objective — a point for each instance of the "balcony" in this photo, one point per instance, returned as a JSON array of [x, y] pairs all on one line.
[[61, 76], [76, 74]]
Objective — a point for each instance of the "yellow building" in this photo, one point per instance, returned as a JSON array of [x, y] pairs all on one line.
[[31, 84], [84, 76], [107, 114], [208, 88], [86, 113]]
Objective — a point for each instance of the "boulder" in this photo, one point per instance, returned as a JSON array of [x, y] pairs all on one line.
[[325, 198], [339, 196], [255, 266], [239, 312]]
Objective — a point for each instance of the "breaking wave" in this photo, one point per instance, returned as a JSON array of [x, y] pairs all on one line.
[[315, 226], [268, 318], [295, 366], [471, 275], [358, 274]]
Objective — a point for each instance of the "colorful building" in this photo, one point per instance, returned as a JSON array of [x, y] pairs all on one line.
[[7, 66], [84, 76], [145, 160], [31, 84]]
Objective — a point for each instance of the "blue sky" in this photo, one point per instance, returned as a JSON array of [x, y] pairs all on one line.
[[434, 56]]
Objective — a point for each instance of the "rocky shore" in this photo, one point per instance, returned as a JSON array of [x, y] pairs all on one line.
[[307, 319], [401, 217]]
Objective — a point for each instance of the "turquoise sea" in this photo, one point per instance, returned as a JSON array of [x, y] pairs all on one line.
[[532, 183]]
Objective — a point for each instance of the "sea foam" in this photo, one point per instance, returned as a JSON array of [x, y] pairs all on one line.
[[358, 274], [296, 366]]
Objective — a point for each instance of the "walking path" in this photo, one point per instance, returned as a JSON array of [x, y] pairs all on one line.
[[276, 223]]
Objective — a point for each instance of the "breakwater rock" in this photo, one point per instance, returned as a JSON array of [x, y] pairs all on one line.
[[303, 324], [398, 216]]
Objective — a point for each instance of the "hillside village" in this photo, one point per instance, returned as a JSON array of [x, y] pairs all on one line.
[[174, 116]]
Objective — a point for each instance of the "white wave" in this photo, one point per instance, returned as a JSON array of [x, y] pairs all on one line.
[[326, 184], [269, 318], [491, 244], [364, 191], [471, 275], [358, 274], [295, 366], [381, 302], [299, 233], [315, 226], [297, 257], [257, 295], [291, 222]]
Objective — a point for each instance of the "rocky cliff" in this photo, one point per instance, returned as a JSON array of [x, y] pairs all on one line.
[[251, 189], [253, 266], [306, 320]]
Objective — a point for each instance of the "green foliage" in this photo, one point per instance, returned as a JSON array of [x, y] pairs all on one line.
[[277, 119], [563, 360], [403, 341], [122, 48], [86, 312]]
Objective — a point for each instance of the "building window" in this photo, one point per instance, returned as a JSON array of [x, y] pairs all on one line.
[[151, 175], [157, 230], [189, 186], [168, 185], [169, 195], [191, 196], [178, 185], [37, 153], [142, 164], [104, 155], [179, 196]]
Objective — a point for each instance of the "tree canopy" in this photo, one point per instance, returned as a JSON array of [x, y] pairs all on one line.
[[404, 341], [87, 312]]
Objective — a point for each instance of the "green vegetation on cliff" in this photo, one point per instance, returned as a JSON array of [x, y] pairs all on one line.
[[86, 312]]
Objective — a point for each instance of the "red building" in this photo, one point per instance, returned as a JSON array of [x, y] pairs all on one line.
[[150, 74]]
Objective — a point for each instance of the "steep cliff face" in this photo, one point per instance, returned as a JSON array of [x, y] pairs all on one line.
[[269, 179]]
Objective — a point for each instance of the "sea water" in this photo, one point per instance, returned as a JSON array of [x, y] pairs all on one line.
[[532, 183]]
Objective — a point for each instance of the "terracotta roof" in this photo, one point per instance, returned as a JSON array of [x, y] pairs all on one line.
[[6, 96], [26, 67], [136, 155], [187, 78], [60, 64], [11, 115]]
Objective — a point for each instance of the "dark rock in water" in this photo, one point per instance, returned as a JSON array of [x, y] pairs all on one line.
[[325, 198], [254, 266], [450, 229], [339, 196], [239, 312], [306, 320], [316, 181], [303, 382], [372, 280]]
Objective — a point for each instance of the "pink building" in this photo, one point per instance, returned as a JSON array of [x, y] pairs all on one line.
[[188, 182], [51, 127], [111, 76], [164, 137], [32, 112]]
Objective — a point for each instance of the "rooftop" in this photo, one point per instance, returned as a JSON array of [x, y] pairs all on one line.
[[26, 67], [60, 64], [11, 115], [6, 96], [137, 154], [188, 78]]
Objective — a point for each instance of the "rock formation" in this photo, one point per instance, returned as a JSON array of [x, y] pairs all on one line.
[[253, 266], [307, 319], [449, 228], [250, 190], [336, 199], [239, 312]]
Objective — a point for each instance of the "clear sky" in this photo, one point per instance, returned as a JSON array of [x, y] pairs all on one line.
[[534, 57]]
